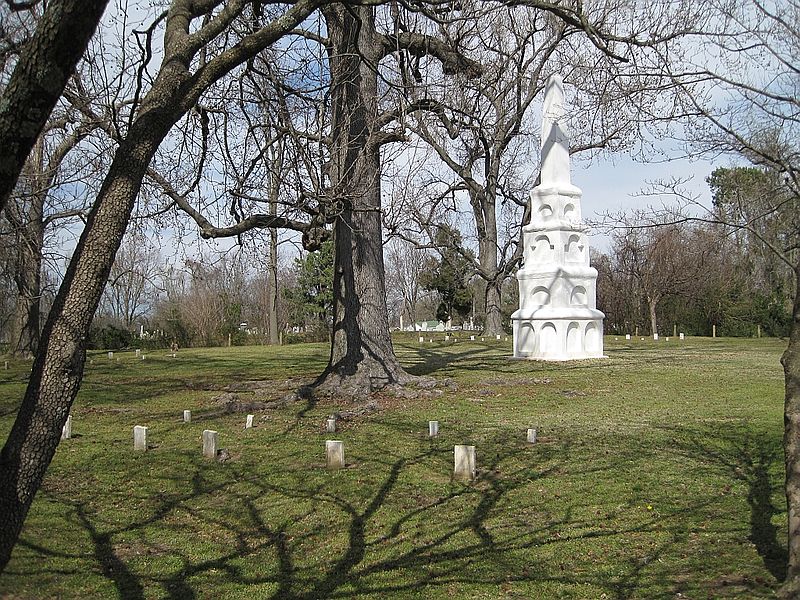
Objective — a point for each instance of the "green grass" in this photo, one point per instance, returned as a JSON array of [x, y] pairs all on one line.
[[658, 473]]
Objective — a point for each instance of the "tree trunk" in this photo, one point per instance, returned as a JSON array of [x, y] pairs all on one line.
[[652, 304], [28, 278], [494, 316], [46, 63], [272, 289], [28, 274], [791, 444], [362, 358], [58, 367]]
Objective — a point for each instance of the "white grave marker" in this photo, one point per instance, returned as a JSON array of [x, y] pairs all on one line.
[[433, 428], [655, 337], [334, 454], [531, 436], [627, 336], [187, 416], [464, 465], [209, 443], [140, 438], [330, 425], [111, 355], [681, 336], [248, 424]]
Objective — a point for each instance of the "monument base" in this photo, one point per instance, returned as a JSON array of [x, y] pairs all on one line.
[[558, 339]]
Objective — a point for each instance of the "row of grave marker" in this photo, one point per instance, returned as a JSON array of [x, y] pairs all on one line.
[[463, 455]]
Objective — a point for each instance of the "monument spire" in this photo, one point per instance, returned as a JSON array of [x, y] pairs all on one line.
[[555, 143]]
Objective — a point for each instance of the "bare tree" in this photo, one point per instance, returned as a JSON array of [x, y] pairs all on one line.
[[131, 288], [41, 72], [405, 264], [57, 371]]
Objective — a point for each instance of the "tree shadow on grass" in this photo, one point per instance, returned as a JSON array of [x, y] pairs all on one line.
[[386, 536], [749, 458]]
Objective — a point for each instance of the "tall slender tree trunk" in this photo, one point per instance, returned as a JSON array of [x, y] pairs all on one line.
[[362, 357], [652, 304], [791, 444], [272, 289], [28, 279]]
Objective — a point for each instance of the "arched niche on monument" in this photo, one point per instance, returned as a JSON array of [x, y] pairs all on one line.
[[540, 296], [574, 249], [578, 296], [574, 338], [548, 339], [570, 214], [592, 338], [543, 250], [527, 335], [545, 212]]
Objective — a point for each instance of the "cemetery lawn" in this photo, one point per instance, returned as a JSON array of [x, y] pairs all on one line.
[[658, 474]]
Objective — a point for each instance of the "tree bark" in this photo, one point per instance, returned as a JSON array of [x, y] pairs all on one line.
[[38, 80], [28, 278], [494, 316], [362, 357], [652, 304], [791, 443]]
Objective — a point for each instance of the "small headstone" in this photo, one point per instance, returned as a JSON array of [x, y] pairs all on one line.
[[421, 340], [5, 365], [330, 425], [430, 340], [464, 464], [433, 428], [627, 336], [110, 355], [91, 361], [187, 416], [506, 340], [447, 338], [138, 351], [248, 424], [140, 438], [641, 339], [174, 355], [655, 337], [531, 436], [334, 454], [209, 443], [483, 339], [680, 336], [497, 336], [142, 356], [66, 431], [472, 338], [667, 339]]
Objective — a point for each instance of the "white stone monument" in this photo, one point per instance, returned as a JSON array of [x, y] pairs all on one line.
[[557, 318]]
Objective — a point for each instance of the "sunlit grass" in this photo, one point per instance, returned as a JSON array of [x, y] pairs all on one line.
[[658, 472]]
